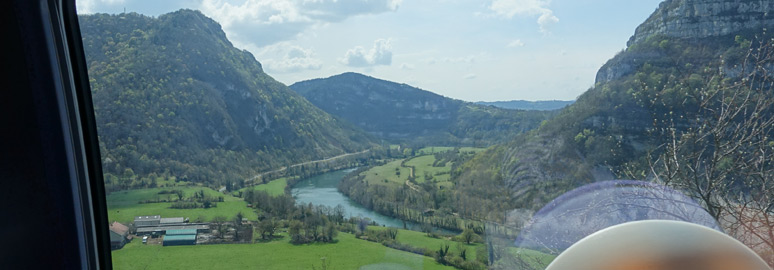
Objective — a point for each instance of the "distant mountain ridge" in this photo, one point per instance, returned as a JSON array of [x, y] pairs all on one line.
[[541, 105], [395, 111], [173, 97]]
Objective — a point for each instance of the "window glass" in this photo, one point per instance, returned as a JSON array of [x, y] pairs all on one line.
[[388, 134]]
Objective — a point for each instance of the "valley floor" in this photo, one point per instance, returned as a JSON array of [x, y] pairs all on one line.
[[348, 253]]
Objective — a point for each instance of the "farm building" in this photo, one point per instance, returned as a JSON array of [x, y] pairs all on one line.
[[181, 232], [159, 230], [171, 221], [180, 237], [118, 235], [179, 240], [146, 221]]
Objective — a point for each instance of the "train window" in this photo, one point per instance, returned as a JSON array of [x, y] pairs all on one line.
[[388, 134]]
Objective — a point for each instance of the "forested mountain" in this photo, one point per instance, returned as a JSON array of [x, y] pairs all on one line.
[[174, 98], [399, 112], [543, 105], [657, 87]]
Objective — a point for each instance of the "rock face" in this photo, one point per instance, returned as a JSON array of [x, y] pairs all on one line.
[[705, 18], [690, 19]]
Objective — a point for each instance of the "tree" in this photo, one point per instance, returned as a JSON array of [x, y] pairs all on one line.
[[463, 252], [441, 254], [722, 152], [338, 213], [128, 174], [219, 222], [362, 225], [237, 220], [267, 227], [468, 236], [330, 232], [392, 233], [294, 231]]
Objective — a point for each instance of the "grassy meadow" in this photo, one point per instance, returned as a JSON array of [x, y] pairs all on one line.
[[347, 253], [386, 174], [420, 239], [397, 172], [274, 188], [424, 166], [123, 206]]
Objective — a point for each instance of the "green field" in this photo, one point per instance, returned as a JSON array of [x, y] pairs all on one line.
[[123, 206], [420, 239], [387, 172], [535, 259], [348, 253], [274, 188], [424, 165]]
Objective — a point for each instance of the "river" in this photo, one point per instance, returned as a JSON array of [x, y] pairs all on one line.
[[323, 190]]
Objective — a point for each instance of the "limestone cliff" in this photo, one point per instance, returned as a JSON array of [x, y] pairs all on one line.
[[705, 18], [689, 20]]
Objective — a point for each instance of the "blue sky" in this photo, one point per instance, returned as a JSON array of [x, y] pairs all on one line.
[[471, 50]]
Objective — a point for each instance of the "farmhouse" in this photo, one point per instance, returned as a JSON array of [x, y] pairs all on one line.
[[118, 235]]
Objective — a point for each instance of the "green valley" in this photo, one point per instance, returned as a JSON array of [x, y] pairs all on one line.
[[278, 254], [356, 172]]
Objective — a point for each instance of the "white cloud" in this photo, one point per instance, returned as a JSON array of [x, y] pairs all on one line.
[[338, 10], [511, 8], [407, 66], [258, 22], [380, 54], [470, 76], [266, 22], [546, 21], [91, 6], [516, 43], [292, 59], [465, 59]]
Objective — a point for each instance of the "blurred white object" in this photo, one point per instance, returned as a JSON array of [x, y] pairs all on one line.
[[658, 245]]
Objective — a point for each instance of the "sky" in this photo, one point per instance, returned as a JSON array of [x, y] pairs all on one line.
[[473, 50]]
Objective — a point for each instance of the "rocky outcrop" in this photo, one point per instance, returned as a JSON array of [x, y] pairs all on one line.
[[689, 19], [623, 64], [705, 18]]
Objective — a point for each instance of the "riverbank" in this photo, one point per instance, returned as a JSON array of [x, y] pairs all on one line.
[[309, 168], [323, 190], [419, 189]]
